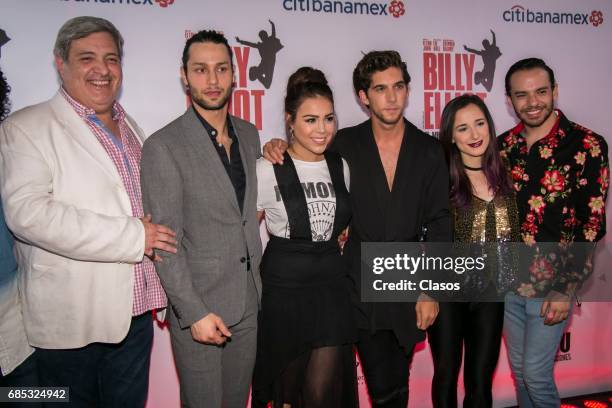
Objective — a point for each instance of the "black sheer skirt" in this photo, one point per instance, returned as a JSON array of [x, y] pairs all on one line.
[[306, 328], [320, 377]]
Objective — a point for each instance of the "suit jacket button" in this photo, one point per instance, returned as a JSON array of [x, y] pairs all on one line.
[[243, 259], [244, 222]]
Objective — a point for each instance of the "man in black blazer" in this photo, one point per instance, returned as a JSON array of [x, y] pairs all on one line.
[[399, 186]]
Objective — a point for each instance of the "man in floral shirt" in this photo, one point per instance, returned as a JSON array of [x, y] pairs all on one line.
[[560, 174]]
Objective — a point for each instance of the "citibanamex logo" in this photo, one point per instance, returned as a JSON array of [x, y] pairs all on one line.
[[521, 15], [397, 9], [596, 18]]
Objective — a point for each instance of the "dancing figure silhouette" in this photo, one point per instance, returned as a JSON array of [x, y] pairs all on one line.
[[490, 53], [268, 47]]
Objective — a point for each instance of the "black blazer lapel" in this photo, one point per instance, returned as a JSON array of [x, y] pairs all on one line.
[[406, 163], [402, 203], [371, 159]]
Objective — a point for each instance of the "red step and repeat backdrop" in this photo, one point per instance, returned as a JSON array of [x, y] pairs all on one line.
[[450, 48]]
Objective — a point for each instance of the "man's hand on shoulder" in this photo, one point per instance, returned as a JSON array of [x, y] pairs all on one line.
[[274, 150], [210, 330], [157, 237]]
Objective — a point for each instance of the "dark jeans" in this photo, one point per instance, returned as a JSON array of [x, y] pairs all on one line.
[[101, 374], [26, 375], [386, 367], [478, 326]]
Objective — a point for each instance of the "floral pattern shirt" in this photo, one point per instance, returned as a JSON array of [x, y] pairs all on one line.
[[561, 185]]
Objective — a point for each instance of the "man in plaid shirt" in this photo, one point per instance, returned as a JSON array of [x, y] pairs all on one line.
[[70, 184]]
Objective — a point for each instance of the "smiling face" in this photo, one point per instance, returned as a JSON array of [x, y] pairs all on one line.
[[533, 97], [92, 74], [387, 95], [313, 128], [471, 134], [208, 75]]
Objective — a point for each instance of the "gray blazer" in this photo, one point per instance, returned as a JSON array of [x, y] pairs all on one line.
[[186, 187]]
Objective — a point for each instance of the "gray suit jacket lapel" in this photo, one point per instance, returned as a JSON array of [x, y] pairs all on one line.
[[200, 141]]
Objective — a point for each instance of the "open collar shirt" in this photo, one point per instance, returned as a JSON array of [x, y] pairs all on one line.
[[125, 151]]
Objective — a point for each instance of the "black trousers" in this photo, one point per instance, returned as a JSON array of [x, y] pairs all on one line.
[[102, 375], [25, 375], [478, 326], [386, 367]]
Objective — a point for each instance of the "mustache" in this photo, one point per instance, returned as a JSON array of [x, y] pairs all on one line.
[[533, 107]]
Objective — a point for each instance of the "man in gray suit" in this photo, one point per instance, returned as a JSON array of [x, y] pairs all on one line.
[[198, 177]]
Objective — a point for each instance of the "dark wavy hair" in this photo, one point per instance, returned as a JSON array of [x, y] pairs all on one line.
[[306, 82], [376, 61], [5, 104], [492, 165]]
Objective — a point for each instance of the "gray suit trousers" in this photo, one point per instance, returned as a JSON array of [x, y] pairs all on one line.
[[212, 376]]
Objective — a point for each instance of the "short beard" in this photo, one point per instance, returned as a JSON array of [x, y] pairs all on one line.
[[540, 122], [222, 103], [387, 121]]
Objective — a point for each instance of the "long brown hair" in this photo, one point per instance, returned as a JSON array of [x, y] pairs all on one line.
[[492, 165]]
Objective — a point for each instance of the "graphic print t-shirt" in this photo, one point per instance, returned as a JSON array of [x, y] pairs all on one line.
[[318, 189]]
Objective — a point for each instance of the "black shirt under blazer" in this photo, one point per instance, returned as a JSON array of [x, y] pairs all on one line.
[[419, 197]]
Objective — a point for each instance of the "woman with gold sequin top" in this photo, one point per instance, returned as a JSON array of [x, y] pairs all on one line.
[[484, 212]]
